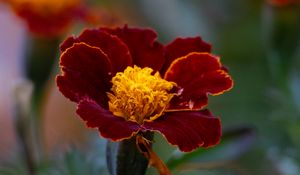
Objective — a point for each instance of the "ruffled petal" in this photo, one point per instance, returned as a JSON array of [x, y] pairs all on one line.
[[109, 126], [142, 44], [198, 74], [188, 129], [112, 46], [67, 43], [86, 71], [183, 46]]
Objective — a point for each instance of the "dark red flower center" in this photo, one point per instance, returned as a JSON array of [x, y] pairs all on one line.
[[138, 95]]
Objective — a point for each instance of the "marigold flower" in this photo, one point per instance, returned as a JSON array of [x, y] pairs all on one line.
[[282, 2], [125, 82], [48, 17]]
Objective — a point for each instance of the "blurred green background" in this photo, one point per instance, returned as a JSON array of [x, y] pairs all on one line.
[[260, 44]]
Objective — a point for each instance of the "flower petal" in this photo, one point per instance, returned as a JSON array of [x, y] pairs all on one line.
[[85, 72], [183, 46], [109, 126], [198, 74], [112, 46], [188, 129], [67, 43], [144, 49]]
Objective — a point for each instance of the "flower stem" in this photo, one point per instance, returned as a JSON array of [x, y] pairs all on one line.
[[40, 56], [145, 148], [124, 158], [22, 96]]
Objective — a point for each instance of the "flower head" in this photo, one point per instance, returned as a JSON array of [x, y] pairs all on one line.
[[281, 3], [138, 96], [48, 17], [125, 82]]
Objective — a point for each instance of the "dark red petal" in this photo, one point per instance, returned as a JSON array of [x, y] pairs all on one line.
[[183, 46], [188, 129], [109, 126], [142, 44], [198, 74], [67, 43], [112, 46], [85, 72]]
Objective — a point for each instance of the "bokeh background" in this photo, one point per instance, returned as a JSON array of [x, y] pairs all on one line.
[[259, 41]]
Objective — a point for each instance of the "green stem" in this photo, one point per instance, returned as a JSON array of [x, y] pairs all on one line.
[[22, 97], [26, 150], [40, 56], [124, 158]]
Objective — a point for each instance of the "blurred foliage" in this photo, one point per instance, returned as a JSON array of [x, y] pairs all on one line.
[[259, 43]]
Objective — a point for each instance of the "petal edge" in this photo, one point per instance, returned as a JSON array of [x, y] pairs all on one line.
[[109, 126], [85, 72], [188, 129], [183, 46], [197, 75]]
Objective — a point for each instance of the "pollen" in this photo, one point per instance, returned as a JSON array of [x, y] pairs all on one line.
[[139, 95]]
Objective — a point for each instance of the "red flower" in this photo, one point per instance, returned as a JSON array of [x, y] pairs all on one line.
[[283, 2], [115, 77], [48, 18]]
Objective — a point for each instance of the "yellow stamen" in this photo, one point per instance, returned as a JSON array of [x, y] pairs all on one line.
[[139, 96]]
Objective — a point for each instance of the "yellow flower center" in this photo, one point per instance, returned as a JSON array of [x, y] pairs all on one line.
[[139, 96]]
